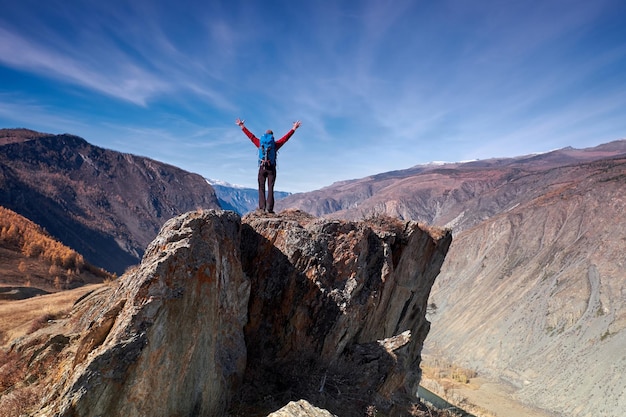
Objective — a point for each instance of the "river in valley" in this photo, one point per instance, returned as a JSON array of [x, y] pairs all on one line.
[[438, 402]]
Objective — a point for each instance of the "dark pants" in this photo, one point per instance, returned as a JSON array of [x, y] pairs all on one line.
[[270, 175]]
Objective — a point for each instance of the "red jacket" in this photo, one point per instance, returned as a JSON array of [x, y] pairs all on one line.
[[280, 142]]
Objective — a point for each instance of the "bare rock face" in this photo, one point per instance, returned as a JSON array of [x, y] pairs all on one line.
[[236, 317], [300, 408], [169, 339], [337, 310]]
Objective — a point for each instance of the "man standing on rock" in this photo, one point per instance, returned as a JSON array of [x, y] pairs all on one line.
[[268, 148]]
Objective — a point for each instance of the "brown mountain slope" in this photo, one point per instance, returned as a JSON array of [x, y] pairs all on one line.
[[18, 135], [31, 258], [105, 204], [456, 195], [535, 296]]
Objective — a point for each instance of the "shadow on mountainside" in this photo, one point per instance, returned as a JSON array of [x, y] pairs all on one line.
[[98, 248]]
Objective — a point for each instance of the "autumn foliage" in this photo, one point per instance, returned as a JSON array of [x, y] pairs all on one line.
[[23, 236]]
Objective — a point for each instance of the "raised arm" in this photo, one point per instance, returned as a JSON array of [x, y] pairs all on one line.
[[249, 134], [280, 142]]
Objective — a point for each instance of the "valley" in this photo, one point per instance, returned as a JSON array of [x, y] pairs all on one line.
[[531, 293]]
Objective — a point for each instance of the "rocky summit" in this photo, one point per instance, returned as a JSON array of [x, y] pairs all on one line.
[[231, 316]]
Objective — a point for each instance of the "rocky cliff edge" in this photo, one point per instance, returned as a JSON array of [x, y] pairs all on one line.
[[232, 316]]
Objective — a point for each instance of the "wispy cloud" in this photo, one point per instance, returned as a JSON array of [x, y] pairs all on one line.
[[127, 81], [121, 53], [405, 81]]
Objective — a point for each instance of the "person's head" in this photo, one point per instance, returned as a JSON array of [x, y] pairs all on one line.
[[269, 132]]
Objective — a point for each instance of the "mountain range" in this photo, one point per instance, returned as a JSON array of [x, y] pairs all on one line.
[[106, 205], [532, 290], [454, 195], [241, 200]]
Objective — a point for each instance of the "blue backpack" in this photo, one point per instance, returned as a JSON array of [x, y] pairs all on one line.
[[267, 151]]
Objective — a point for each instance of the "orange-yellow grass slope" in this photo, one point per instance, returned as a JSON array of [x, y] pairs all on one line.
[[30, 257]]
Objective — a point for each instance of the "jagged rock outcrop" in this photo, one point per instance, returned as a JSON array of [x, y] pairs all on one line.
[[239, 317], [300, 408], [340, 298], [168, 340]]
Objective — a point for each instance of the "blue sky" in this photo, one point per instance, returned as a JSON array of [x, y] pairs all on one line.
[[378, 85]]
